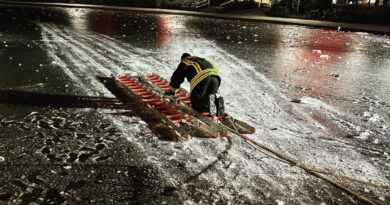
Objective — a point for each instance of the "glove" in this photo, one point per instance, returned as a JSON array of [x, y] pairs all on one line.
[[170, 93]]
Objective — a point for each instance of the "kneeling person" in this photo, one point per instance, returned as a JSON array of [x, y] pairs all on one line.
[[204, 83]]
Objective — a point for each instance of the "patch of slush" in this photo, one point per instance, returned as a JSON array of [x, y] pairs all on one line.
[[318, 104], [375, 118], [364, 135]]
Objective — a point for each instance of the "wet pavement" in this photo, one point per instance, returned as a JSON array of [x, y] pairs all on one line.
[[52, 154]]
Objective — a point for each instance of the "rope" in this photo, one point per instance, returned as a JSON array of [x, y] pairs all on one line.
[[315, 172], [345, 177], [306, 168], [208, 167]]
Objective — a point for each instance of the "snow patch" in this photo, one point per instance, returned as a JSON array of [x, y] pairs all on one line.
[[326, 57], [364, 135], [279, 202], [375, 118], [317, 51], [318, 104], [80, 55], [367, 114]]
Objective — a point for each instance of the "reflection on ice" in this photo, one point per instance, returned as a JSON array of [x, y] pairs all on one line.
[[164, 25], [78, 18]]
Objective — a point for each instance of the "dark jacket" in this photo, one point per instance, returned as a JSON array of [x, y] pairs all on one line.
[[195, 69]]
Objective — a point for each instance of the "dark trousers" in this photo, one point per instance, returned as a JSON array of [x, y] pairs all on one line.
[[200, 94]]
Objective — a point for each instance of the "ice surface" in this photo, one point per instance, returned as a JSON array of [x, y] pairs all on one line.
[[250, 97]]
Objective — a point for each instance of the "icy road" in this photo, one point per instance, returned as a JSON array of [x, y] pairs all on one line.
[[318, 97]]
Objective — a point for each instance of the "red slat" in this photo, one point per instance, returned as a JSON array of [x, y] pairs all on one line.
[[148, 96], [172, 111], [162, 107], [138, 90], [175, 116]]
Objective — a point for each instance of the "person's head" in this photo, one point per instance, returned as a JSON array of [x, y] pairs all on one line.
[[185, 55]]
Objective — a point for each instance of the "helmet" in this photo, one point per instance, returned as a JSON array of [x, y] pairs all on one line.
[[185, 55]]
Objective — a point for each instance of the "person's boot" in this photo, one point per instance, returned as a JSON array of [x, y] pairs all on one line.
[[220, 105], [212, 106]]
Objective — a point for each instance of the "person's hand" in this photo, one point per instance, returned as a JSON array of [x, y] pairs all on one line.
[[170, 93]]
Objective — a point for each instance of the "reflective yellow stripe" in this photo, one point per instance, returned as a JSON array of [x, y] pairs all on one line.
[[197, 67], [198, 77], [193, 85], [201, 76], [195, 80], [194, 64], [186, 61]]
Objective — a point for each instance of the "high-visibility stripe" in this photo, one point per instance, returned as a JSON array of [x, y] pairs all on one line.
[[186, 62], [204, 75], [201, 76], [194, 64], [197, 67]]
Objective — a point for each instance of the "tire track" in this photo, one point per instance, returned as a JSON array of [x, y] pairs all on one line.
[[81, 68], [101, 50], [51, 49], [86, 57], [109, 51]]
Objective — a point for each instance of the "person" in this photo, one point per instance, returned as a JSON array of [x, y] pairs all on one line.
[[204, 83]]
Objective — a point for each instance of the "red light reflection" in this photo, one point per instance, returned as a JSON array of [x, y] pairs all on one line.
[[162, 31], [104, 23], [321, 52]]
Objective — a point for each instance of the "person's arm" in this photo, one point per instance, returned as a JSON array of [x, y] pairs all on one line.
[[178, 77]]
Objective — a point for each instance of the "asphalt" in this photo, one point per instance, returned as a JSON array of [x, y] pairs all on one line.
[[252, 16]]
